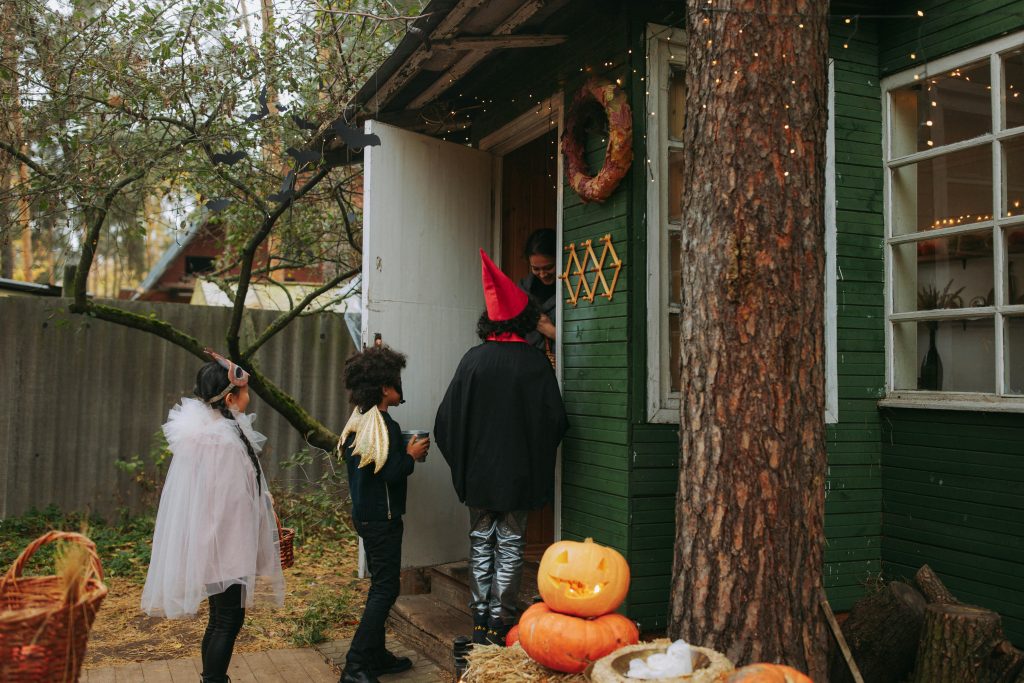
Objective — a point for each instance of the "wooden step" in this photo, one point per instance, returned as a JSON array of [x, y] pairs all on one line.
[[429, 626], [449, 583]]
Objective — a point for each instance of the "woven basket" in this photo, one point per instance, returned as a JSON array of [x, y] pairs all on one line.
[[285, 536], [43, 638], [709, 666]]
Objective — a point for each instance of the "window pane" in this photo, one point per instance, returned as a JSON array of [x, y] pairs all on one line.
[[1014, 294], [1013, 162], [953, 189], [1015, 355], [1013, 84], [676, 104], [675, 185], [944, 272], [675, 265], [948, 355], [673, 351], [942, 109]]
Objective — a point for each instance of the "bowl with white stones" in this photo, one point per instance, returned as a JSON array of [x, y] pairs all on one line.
[[662, 661]]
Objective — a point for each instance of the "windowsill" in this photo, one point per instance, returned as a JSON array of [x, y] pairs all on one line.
[[967, 402]]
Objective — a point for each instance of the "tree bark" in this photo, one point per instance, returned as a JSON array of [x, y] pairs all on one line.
[[964, 644], [933, 588], [749, 533], [882, 631]]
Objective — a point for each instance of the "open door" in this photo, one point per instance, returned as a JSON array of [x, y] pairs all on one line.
[[427, 211]]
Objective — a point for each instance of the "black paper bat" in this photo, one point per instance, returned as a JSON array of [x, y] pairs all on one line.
[[264, 109], [287, 189], [303, 123], [304, 156], [218, 205], [354, 137], [229, 158]]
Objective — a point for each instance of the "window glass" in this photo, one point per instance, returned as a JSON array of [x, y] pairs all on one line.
[[674, 350], [1015, 355], [944, 272], [676, 104], [675, 185], [944, 191], [1013, 295], [1013, 166], [946, 355], [942, 109], [675, 262], [1013, 84]]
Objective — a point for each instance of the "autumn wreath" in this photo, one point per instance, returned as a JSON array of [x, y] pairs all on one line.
[[619, 153]]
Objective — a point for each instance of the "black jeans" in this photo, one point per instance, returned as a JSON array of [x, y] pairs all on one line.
[[382, 542], [226, 617]]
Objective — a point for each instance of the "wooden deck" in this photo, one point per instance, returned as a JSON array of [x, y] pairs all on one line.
[[275, 666]]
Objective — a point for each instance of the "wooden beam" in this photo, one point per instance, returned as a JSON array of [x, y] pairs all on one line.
[[466, 64], [497, 43], [445, 30]]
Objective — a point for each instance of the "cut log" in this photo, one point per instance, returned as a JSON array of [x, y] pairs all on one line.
[[964, 644], [933, 588], [882, 630]]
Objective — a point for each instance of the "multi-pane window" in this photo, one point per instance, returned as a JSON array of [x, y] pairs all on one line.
[[955, 225], [665, 102]]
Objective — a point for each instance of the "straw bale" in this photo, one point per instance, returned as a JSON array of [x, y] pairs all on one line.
[[495, 664]]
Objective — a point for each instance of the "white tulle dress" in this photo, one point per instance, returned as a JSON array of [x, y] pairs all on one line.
[[213, 529]]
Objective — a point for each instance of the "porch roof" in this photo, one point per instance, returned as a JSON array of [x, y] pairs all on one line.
[[445, 44]]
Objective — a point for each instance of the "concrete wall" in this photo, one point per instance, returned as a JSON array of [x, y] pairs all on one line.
[[79, 393]]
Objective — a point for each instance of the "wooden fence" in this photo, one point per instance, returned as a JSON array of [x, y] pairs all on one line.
[[79, 394]]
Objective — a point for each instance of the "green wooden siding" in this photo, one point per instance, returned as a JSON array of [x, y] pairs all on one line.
[[954, 481]]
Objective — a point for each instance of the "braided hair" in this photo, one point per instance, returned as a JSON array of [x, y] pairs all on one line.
[[212, 379]]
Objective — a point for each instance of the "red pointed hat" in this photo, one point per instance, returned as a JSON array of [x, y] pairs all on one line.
[[505, 300]]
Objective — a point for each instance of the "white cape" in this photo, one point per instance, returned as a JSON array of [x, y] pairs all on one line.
[[213, 529]]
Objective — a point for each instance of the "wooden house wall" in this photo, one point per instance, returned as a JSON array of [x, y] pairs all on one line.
[[954, 481]]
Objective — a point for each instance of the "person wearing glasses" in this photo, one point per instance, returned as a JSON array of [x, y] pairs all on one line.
[[540, 285]]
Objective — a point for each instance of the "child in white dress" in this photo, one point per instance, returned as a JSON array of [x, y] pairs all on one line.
[[215, 537]]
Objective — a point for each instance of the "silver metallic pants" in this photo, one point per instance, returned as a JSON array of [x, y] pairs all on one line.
[[496, 544]]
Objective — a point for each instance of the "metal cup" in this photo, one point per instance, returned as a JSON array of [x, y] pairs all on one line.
[[408, 434]]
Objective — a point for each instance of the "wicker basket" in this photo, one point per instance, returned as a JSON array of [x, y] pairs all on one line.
[[43, 638], [285, 536], [709, 666]]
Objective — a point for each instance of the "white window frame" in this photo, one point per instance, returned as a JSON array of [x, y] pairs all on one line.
[[947, 400], [665, 49]]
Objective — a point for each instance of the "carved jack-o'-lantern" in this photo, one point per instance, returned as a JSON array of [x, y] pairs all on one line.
[[584, 579], [566, 643]]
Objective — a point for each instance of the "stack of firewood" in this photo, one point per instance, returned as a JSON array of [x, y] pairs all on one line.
[[925, 635]]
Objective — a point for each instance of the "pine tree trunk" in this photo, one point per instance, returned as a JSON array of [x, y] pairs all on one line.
[[749, 534], [882, 631], [957, 643]]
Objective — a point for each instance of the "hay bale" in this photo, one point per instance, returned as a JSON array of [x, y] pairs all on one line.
[[709, 666], [494, 664]]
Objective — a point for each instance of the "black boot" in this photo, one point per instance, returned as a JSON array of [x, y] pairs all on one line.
[[388, 663], [496, 632], [357, 673], [479, 629]]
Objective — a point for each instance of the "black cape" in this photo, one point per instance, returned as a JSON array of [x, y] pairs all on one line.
[[499, 425]]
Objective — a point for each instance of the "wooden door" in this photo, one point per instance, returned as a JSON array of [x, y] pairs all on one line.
[[529, 178], [427, 212]]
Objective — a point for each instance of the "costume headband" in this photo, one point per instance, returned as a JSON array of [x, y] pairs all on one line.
[[237, 377]]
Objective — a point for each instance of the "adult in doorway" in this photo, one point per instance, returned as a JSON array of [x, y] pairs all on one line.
[[498, 426], [540, 285]]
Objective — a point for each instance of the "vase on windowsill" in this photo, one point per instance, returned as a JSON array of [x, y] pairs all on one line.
[[931, 369]]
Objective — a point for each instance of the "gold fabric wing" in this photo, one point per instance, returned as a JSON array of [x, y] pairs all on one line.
[[372, 442]]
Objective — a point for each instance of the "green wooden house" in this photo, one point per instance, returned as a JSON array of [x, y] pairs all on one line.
[[925, 253]]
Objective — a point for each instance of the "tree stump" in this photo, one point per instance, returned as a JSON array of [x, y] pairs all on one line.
[[933, 588], [882, 631], [960, 644]]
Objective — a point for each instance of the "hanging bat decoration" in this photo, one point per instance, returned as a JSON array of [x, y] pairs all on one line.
[[229, 158], [264, 109], [354, 137], [304, 156], [287, 190], [303, 123], [218, 205]]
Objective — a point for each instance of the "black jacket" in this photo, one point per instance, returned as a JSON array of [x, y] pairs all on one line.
[[376, 497], [499, 426], [532, 286]]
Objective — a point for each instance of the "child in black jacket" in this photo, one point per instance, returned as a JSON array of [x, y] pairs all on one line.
[[378, 464]]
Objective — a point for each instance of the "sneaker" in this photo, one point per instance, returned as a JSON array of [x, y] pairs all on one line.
[[496, 632], [480, 629]]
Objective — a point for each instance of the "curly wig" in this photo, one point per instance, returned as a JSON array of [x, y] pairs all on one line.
[[522, 324], [367, 372]]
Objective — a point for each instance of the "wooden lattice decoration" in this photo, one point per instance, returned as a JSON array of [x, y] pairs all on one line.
[[591, 265]]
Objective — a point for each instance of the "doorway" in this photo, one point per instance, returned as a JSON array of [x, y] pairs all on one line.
[[529, 201]]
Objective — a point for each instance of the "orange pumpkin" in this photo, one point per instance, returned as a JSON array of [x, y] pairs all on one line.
[[768, 673], [569, 644], [583, 579], [512, 637]]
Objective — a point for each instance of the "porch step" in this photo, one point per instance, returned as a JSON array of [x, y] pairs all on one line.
[[429, 626], [449, 583]]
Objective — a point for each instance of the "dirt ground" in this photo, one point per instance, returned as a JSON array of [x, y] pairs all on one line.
[[322, 588]]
